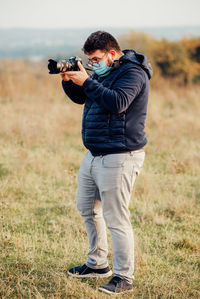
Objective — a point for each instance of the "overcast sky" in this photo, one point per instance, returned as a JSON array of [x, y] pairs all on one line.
[[101, 13]]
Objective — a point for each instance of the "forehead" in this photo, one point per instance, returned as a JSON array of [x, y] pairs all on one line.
[[96, 53]]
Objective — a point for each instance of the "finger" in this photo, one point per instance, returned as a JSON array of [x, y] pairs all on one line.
[[71, 73], [81, 67], [64, 74]]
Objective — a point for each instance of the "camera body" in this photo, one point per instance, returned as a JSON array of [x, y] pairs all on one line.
[[71, 64]]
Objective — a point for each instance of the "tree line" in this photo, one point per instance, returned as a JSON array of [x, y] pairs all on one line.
[[176, 60]]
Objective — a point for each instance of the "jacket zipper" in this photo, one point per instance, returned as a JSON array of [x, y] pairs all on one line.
[[108, 120]]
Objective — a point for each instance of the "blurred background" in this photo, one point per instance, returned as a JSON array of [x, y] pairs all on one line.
[[168, 32]]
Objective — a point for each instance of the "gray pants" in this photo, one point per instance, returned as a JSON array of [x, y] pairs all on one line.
[[104, 189]]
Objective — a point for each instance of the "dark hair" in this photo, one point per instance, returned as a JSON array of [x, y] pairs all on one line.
[[100, 40]]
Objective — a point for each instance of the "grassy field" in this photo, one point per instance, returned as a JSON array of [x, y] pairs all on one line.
[[42, 233]]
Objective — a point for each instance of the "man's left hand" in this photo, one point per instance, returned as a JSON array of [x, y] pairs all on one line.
[[78, 77]]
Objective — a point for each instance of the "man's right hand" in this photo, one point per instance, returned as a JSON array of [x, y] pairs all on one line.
[[65, 77]]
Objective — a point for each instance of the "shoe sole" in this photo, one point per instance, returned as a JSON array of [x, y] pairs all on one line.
[[91, 275], [114, 293]]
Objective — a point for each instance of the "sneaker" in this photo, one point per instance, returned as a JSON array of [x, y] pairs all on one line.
[[116, 285], [85, 271]]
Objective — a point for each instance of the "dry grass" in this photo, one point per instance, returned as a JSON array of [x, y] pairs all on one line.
[[42, 233]]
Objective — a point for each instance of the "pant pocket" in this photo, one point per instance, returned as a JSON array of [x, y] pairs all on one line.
[[138, 160], [112, 170], [114, 160]]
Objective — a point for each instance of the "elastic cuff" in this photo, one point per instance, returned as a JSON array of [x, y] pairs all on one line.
[[87, 83], [67, 83]]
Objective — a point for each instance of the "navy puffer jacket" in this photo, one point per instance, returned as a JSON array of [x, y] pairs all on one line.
[[115, 106]]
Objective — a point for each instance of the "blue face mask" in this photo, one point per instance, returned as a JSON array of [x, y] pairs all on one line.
[[101, 68]]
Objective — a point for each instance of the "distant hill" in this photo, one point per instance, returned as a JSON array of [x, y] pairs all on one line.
[[39, 43]]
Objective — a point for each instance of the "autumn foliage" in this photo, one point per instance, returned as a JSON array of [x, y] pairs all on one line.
[[175, 60]]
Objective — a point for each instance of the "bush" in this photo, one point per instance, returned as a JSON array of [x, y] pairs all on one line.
[[176, 60]]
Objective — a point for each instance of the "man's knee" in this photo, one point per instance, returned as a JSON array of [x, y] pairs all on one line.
[[92, 209], [115, 218], [81, 208]]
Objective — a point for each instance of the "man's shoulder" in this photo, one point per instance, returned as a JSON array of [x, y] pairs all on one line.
[[129, 69]]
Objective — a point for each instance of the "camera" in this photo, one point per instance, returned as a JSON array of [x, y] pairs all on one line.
[[71, 64]]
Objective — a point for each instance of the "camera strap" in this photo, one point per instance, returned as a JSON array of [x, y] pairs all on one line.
[[116, 64]]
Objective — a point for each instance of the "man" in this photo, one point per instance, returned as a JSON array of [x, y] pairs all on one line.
[[115, 99]]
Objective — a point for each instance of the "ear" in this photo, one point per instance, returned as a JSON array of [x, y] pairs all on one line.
[[113, 53]]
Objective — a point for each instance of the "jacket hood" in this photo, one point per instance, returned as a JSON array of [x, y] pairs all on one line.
[[139, 59]]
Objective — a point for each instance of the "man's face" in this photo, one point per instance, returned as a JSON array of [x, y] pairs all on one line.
[[99, 55]]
